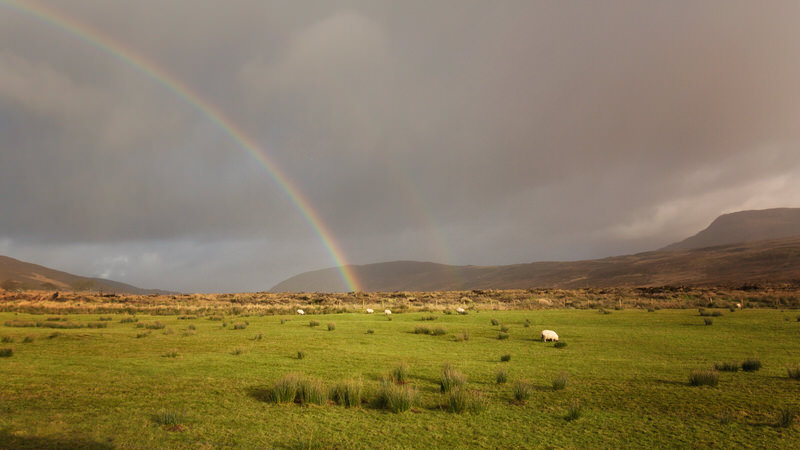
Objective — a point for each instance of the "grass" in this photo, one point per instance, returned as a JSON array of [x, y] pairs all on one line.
[[301, 354], [461, 337], [505, 358], [311, 391], [422, 329], [704, 377], [395, 398], [560, 381], [501, 376], [7, 340], [313, 323], [727, 366], [751, 364], [560, 344], [793, 372], [708, 321], [521, 390], [331, 326], [168, 418], [574, 410], [502, 336], [348, 393], [400, 374], [461, 400], [6, 352], [629, 371], [284, 390], [451, 378], [439, 331], [786, 417]]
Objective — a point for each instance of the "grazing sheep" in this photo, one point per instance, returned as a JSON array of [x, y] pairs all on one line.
[[549, 335], [301, 312], [387, 312], [370, 311], [739, 305], [461, 310]]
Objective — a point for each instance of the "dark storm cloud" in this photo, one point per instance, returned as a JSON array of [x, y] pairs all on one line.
[[462, 132]]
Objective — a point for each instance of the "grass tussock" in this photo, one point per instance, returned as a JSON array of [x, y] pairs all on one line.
[[560, 344], [460, 400], [793, 372], [142, 334], [574, 410], [168, 418], [313, 323], [129, 320], [370, 331], [97, 325], [428, 318], [727, 366], [451, 378], [237, 352], [786, 417], [395, 398], [348, 393], [751, 364], [331, 326], [400, 374], [7, 340], [422, 329], [521, 390], [239, 326], [170, 354], [502, 376], [495, 322], [502, 336], [157, 325], [439, 331], [6, 352], [301, 354], [462, 337], [704, 377], [504, 329], [505, 358], [28, 339], [284, 390], [311, 391], [708, 321], [560, 381]]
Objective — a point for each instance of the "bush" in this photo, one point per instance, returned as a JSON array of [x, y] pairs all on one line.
[[439, 331], [285, 389], [394, 397], [6, 352], [708, 321], [751, 364], [574, 410], [793, 372], [502, 336], [348, 393], [311, 390], [400, 373], [521, 390], [422, 329], [502, 376], [495, 322], [506, 357], [704, 377], [313, 323], [727, 366], [560, 381], [331, 326], [461, 337], [451, 378], [560, 344], [460, 400], [786, 417]]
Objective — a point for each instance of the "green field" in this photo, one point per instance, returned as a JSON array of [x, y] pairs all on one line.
[[628, 371]]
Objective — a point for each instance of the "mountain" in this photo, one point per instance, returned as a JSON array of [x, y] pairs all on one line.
[[748, 247], [16, 274], [745, 226]]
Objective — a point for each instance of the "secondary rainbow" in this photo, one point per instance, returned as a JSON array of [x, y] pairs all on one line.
[[141, 64]]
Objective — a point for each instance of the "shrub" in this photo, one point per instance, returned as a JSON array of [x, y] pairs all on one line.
[[502, 335], [786, 417], [168, 418], [6, 352], [394, 397], [560, 381], [506, 357], [521, 390], [574, 410], [793, 372], [285, 388], [560, 344], [422, 329], [311, 390], [155, 325], [461, 337], [7, 340], [301, 354], [313, 323], [28, 339], [495, 322], [708, 321], [460, 400], [451, 378], [727, 366], [502, 376], [370, 331], [348, 393], [751, 364], [704, 377], [239, 326], [331, 326], [503, 329], [439, 331], [400, 373]]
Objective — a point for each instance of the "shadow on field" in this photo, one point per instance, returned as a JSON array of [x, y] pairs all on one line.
[[259, 393], [8, 440], [671, 382]]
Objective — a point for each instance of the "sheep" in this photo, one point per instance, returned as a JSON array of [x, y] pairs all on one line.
[[739, 305], [549, 335], [387, 312], [461, 310], [300, 312], [370, 311]]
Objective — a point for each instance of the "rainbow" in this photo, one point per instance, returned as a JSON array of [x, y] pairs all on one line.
[[148, 68]]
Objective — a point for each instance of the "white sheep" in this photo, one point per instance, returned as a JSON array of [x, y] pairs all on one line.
[[387, 312], [461, 310], [739, 305], [370, 311], [301, 312], [549, 335]]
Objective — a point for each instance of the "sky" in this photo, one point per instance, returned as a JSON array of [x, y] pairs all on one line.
[[459, 132]]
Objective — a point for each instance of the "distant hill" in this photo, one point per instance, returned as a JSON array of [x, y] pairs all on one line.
[[745, 226], [746, 247], [16, 274]]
